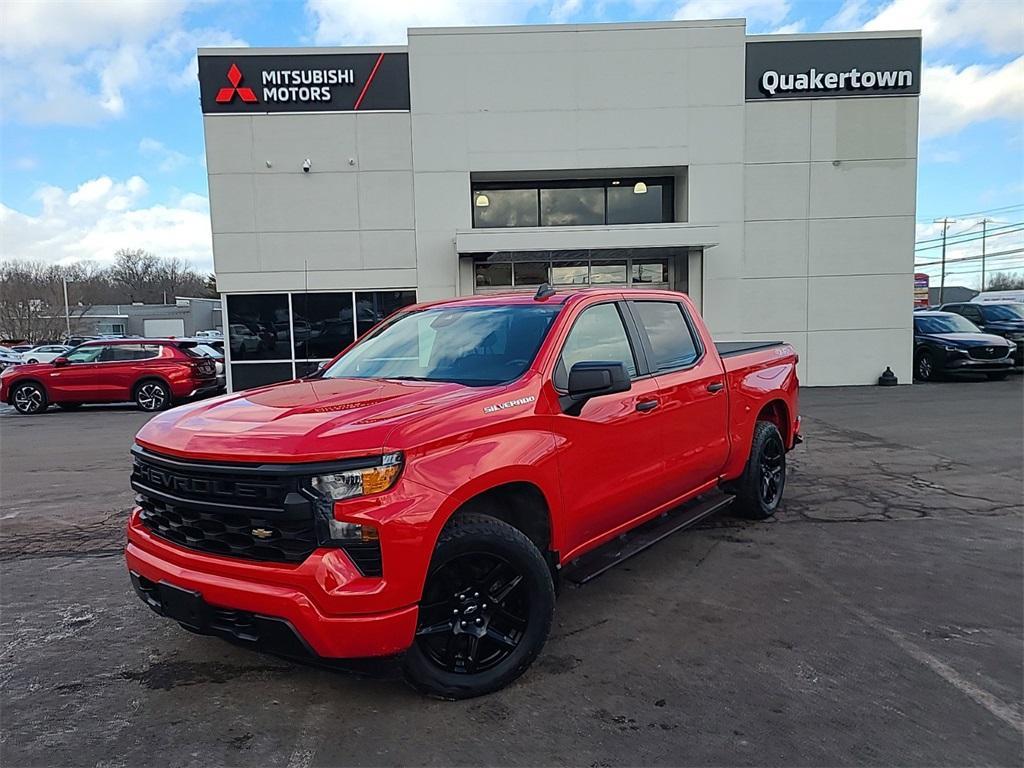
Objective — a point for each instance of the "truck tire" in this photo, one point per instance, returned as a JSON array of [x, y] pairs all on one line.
[[759, 489], [486, 610]]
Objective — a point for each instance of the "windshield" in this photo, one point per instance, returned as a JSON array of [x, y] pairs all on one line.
[[1003, 312], [476, 346], [944, 324]]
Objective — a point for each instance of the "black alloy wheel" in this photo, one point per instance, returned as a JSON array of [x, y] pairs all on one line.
[[759, 489], [486, 610], [772, 468], [29, 399], [474, 614], [924, 369]]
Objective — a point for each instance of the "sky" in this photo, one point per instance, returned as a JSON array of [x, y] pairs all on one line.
[[101, 142]]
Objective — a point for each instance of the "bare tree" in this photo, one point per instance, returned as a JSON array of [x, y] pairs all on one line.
[[32, 302], [1005, 281], [32, 298]]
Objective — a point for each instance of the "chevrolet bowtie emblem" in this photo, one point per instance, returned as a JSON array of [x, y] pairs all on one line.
[[262, 533]]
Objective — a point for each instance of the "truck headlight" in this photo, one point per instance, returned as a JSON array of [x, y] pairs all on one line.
[[359, 482]]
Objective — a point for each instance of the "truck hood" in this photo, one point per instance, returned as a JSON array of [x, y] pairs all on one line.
[[312, 420]]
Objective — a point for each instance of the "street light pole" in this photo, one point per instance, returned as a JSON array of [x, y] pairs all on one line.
[[67, 308]]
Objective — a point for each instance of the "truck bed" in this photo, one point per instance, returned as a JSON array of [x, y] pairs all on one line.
[[730, 348]]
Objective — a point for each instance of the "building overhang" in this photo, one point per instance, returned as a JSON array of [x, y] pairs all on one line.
[[586, 238]]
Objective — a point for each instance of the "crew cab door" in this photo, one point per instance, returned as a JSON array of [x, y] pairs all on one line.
[[610, 455], [694, 411]]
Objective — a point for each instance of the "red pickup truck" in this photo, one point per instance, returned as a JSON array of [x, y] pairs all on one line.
[[420, 495]]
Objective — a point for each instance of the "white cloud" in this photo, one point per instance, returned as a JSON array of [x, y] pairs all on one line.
[[385, 21], [953, 98], [80, 62], [997, 25], [758, 13], [103, 215], [167, 159]]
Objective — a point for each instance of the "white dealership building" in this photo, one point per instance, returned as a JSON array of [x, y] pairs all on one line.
[[772, 178]]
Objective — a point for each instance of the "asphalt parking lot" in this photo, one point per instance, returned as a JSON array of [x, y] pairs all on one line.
[[878, 620]]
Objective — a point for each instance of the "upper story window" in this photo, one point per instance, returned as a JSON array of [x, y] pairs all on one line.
[[572, 203]]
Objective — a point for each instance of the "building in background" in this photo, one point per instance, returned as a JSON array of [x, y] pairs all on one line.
[[773, 178], [183, 318]]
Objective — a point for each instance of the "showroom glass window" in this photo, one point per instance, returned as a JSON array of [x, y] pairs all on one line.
[[573, 203], [275, 337], [258, 327]]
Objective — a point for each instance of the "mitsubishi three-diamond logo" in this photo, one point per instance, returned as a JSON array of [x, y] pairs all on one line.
[[227, 95]]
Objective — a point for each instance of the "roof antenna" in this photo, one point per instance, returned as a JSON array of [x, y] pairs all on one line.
[[544, 292]]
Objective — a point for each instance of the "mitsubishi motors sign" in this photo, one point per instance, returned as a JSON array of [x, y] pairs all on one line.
[[830, 69], [304, 82]]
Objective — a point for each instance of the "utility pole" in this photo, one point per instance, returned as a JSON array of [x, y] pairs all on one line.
[[984, 227], [946, 221], [67, 309]]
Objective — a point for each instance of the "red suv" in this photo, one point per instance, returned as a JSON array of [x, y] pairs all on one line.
[[151, 372]]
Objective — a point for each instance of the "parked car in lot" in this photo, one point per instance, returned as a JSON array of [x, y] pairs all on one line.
[[8, 358], [948, 343], [21, 349], [213, 349], [151, 372], [420, 494], [44, 353], [211, 334], [243, 340], [1000, 319]]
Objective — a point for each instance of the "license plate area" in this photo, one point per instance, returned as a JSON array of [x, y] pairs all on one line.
[[183, 605]]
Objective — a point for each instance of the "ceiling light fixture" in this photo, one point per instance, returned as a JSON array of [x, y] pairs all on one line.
[[639, 188], [482, 201]]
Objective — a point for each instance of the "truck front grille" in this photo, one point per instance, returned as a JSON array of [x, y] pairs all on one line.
[[231, 510], [257, 512], [235, 535]]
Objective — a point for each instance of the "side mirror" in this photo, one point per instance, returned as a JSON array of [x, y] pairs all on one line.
[[593, 378], [61, 361]]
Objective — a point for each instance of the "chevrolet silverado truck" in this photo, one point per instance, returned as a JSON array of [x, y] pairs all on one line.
[[422, 495]]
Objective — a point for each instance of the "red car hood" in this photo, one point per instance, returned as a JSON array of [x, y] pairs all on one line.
[[316, 420]]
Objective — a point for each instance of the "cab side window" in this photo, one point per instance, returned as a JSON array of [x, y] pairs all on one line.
[[597, 334], [671, 340]]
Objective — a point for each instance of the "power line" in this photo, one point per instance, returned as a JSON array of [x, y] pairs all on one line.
[[980, 213], [971, 258], [967, 231], [974, 238]]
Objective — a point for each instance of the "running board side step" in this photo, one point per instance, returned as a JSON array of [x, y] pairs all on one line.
[[594, 563]]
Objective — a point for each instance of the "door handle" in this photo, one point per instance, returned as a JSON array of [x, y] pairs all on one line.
[[716, 386], [646, 405]]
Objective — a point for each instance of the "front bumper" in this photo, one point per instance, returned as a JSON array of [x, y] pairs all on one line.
[[322, 607], [971, 365]]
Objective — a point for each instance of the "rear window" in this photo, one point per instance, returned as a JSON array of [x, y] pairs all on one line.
[[668, 332]]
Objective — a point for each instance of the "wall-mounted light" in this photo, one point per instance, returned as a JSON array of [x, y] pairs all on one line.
[[482, 201], [639, 188]]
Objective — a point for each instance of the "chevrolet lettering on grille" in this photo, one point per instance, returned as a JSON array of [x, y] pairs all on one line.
[[162, 479]]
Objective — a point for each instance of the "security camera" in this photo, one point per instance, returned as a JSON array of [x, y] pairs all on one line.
[[306, 165]]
